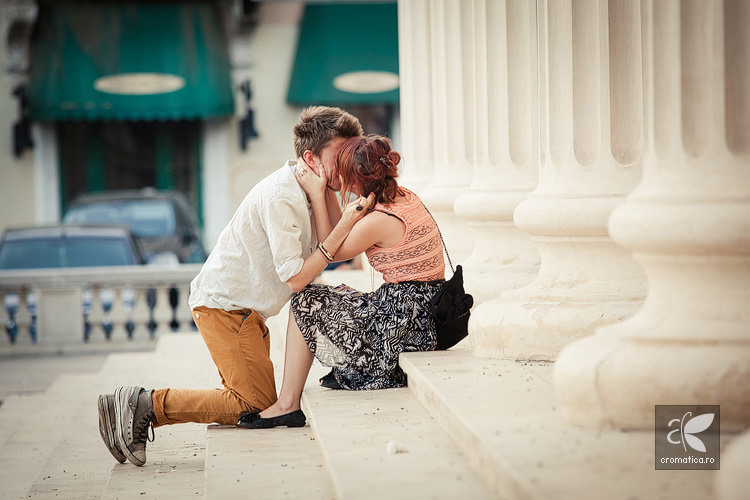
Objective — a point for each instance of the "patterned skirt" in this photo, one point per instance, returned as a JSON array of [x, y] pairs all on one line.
[[361, 334]]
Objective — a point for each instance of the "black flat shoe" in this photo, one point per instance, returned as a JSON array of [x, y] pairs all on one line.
[[329, 381], [253, 420]]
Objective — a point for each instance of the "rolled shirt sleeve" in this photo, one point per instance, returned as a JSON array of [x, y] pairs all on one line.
[[282, 226]]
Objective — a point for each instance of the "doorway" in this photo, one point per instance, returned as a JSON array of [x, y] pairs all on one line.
[[104, 156]]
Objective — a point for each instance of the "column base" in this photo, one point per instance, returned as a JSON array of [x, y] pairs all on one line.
[[606, 381], [538, 329], [486, 283]]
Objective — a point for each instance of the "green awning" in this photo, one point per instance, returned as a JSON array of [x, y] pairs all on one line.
[[346, 54], [129, 61]]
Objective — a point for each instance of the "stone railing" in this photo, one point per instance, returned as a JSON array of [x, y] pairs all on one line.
[[69, 306]]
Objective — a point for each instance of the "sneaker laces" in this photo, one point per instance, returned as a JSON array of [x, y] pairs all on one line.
[[142, 427]]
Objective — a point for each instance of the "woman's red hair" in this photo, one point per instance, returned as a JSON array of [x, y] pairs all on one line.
[[369, 163]]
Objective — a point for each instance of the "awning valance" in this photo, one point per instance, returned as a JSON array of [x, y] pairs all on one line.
[[161, 61], [346, 54]]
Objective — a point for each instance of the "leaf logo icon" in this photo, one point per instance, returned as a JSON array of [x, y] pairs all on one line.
[[686, 429]]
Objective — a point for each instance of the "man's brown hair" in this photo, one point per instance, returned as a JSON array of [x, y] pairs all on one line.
[[317, 125]]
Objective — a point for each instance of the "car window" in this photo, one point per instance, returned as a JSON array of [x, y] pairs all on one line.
[[83, 252], [30, 254], [145, 218], [71, 252]]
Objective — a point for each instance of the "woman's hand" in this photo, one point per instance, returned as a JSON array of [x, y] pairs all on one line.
[[357, 209], [312, 183]]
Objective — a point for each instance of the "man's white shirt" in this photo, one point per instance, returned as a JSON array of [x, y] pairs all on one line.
[[262, 247]]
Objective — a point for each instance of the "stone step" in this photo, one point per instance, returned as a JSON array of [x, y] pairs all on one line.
[[384, 444], [270, 463], [274, 463], [33, 439], [176, 459], [51, 440], [502, 414], [57, 452], [15, 409], [371, 444], [72, 461]]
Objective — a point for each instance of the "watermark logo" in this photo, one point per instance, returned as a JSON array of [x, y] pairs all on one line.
[[687, 437]]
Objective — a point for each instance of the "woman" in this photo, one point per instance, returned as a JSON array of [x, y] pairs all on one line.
[[361, 334]]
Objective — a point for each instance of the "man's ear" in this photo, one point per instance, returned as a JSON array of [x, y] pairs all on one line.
[[311, 162], [309, 158]]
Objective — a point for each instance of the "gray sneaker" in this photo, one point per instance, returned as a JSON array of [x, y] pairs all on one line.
[[134, 413], [108, 426]]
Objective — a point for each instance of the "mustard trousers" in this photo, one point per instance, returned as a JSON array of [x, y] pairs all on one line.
[[240, 345]]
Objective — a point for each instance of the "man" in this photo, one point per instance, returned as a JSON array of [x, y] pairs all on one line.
[[248, 277]]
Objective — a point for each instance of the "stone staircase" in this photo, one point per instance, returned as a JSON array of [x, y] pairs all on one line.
[[464, 428]]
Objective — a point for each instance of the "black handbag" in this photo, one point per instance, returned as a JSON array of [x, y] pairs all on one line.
[[450, 306]]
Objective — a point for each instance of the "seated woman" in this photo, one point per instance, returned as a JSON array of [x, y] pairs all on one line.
[[361, 334]]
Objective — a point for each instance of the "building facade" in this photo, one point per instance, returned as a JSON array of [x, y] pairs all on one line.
[[198, 97]]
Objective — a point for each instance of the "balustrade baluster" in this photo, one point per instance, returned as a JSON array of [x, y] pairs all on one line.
[[151, 302], [107, 299], [11, 301], [87, 297], [31, 301], [128, 304], [174, 297]]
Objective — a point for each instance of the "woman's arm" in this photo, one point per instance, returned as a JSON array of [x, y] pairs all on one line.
[[376, 228], [317, 261]]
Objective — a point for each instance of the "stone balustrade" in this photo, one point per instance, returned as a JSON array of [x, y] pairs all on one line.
[[57, 307]]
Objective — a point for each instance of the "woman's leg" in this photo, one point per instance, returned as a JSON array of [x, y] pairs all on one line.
[[297, 362]]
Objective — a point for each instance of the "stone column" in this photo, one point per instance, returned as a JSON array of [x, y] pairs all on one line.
[[591, 142], [452, 90], [415, 88], [506, 147], [688, 224]]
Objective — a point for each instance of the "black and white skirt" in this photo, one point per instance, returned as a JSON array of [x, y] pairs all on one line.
[[361, 334]]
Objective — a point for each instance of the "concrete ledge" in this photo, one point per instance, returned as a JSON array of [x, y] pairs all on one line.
[[383, 444], [267, 463], [502, 415], [176, 458], [25, 349]]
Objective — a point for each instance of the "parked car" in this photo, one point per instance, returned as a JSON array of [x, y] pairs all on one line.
[[65, 246], [72, 246], [162, 220], [68, 246]]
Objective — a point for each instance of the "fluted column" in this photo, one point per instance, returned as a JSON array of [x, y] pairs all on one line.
[[415, 88], [452, 90], [591, 142], [506, 148], [688, 224]]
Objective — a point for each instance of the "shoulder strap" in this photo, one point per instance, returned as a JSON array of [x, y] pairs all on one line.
[[441, 235]]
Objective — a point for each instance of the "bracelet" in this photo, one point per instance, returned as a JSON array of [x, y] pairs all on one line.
[[325, 253]]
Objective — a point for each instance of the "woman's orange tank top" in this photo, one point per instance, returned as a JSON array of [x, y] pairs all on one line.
[[419, 254]]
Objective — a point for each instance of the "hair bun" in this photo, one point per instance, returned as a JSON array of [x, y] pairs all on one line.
[[393, 158]]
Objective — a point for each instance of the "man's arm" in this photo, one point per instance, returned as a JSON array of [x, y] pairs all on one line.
[[321, 215], [333, 206]]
